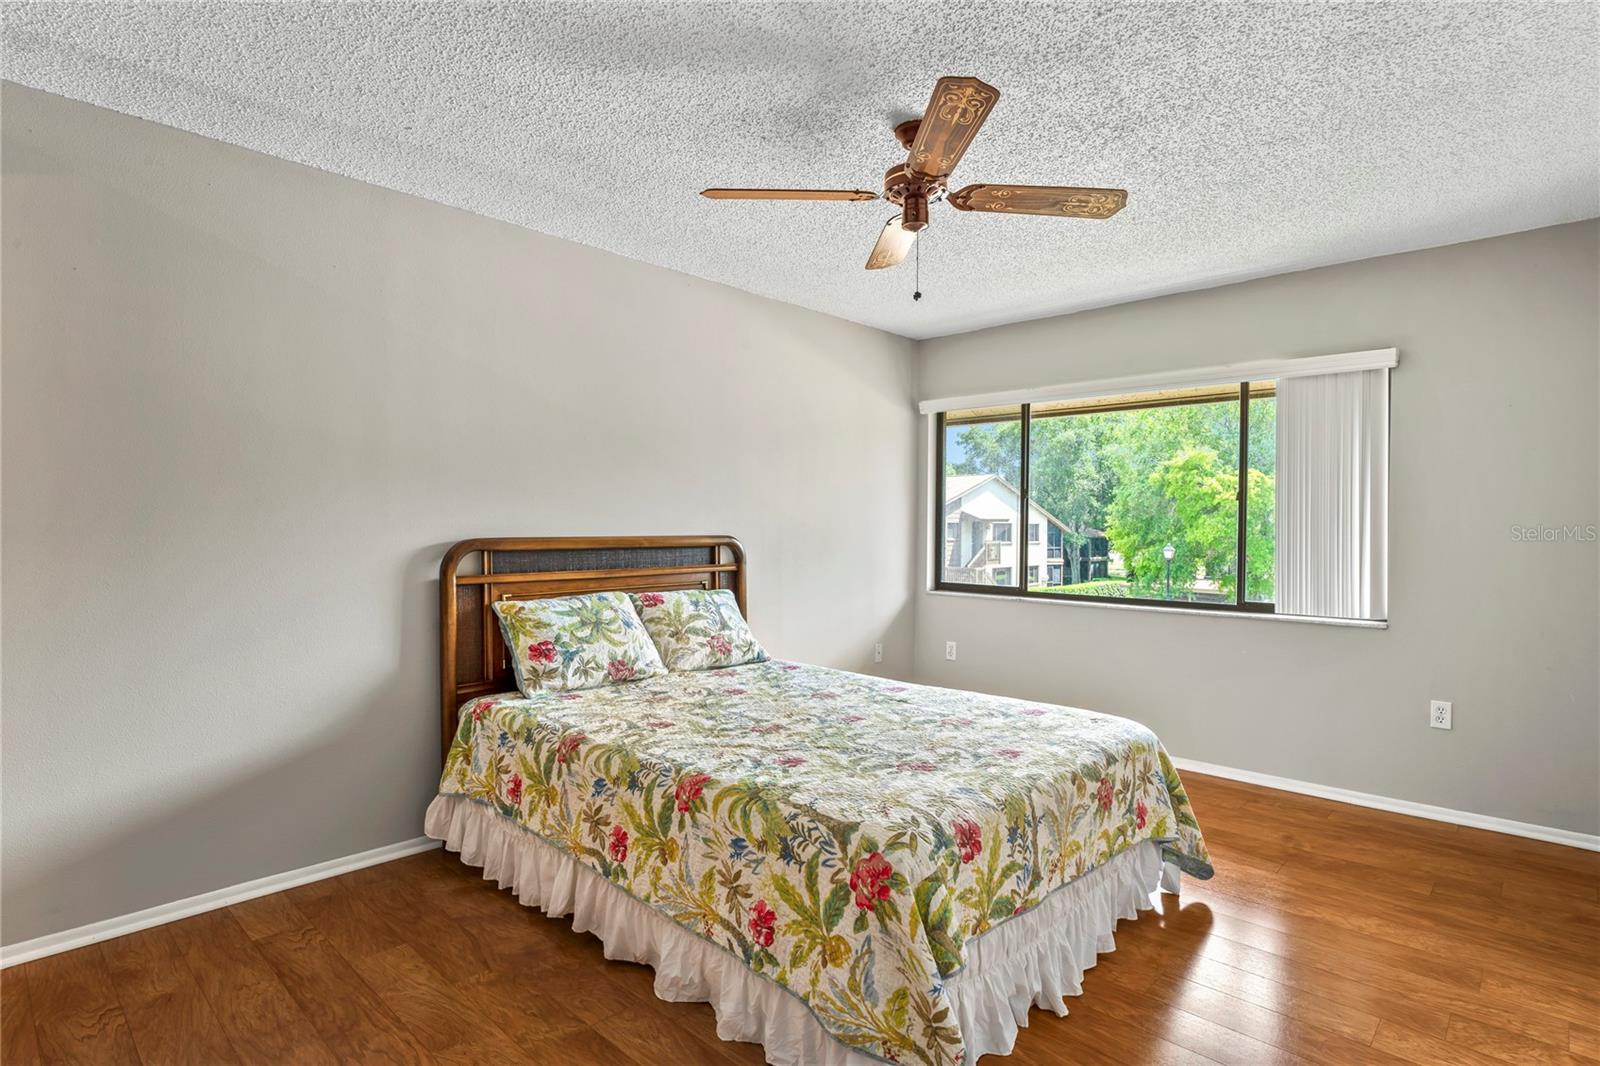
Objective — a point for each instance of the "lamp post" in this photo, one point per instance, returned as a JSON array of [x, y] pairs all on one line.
[[1167, 553]]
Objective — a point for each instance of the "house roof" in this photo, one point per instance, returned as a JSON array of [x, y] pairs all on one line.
[[959, 485]]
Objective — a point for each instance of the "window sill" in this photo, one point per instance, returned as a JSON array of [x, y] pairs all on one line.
[[1067, 601]]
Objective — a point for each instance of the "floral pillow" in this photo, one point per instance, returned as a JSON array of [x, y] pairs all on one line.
[[576, 642], [698, 629]]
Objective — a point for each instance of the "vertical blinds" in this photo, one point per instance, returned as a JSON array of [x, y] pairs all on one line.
[[1333, 495]]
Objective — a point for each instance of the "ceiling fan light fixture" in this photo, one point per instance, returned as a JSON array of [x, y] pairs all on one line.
[[893, 243], [914, 213]]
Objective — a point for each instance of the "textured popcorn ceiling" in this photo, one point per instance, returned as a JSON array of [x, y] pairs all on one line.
[[1253, 139]]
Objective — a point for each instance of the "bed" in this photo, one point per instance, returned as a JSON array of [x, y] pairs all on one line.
[[848, 868]]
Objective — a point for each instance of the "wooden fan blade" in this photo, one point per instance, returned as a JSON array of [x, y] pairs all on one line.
[[893, 244], [955, 113], [1061, 200], [789, 194]]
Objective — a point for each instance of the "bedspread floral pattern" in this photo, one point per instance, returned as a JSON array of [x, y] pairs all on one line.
[[698, 629], [844, 835], [575, 642]]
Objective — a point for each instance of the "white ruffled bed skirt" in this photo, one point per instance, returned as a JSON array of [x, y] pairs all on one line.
[[1034, 960]]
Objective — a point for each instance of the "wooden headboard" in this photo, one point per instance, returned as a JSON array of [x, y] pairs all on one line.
[[473, 660]]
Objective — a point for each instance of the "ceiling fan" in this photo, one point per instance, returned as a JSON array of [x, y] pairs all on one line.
[[935, 144]]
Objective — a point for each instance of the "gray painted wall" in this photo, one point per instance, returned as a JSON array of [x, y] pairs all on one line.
[[1494, 412], [247, 405]]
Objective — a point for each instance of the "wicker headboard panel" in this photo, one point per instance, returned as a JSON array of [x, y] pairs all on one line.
[[472, 656]]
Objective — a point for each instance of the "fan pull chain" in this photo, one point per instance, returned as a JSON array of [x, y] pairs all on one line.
[[916, 294]]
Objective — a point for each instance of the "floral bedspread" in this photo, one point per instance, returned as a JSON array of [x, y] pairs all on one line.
[[844, 835]]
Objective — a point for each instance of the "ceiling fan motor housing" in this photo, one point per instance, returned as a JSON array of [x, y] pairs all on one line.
[[912, 192]]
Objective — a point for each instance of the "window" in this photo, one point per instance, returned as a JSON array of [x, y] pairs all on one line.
[[981, 452], [1176, 496], [1139, 497], [1262, 471]]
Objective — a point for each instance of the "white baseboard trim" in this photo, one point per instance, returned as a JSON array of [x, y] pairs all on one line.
[[67, 939], [1587, 841]]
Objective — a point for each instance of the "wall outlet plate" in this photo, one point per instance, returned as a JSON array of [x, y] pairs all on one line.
[[950, 650], [1439, 714], [877, 653]]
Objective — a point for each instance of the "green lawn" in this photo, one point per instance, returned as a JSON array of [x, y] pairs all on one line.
[[1105, 586]]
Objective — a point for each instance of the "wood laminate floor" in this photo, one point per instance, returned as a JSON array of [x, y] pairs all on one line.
[[1331, 934]]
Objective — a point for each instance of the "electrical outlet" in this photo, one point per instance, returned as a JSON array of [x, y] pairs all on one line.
[[877, 653], [950, 650], [1439, 714]]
